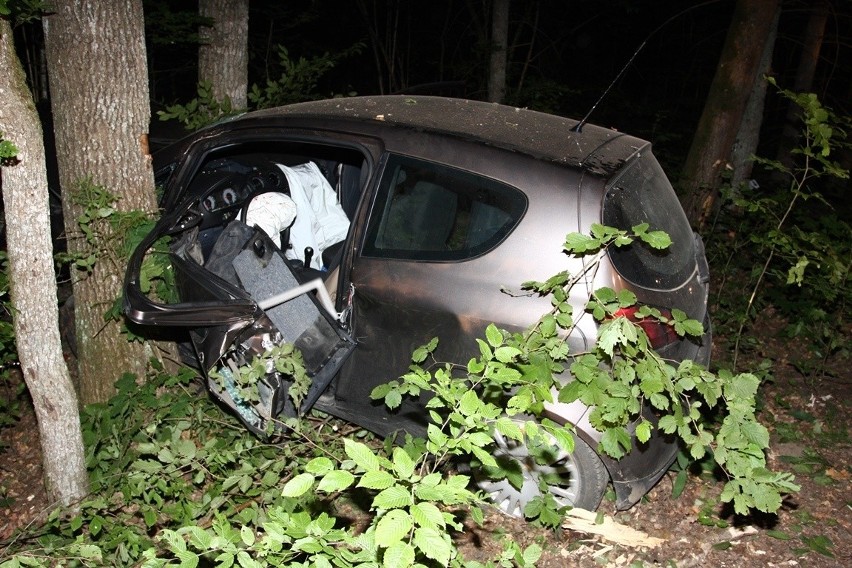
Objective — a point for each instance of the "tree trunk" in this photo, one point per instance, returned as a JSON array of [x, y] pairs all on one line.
[[749, 134], [99, 97], [811, 46], [723, 112], [499, 41], [33, 285], [223, 54]]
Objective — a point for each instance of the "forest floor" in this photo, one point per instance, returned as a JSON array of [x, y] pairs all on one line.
[[810, 420]]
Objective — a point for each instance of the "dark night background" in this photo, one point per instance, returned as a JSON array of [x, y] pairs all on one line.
[[578, 48], [565, 53]]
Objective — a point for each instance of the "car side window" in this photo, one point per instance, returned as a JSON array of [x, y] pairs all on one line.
[[429, 211]]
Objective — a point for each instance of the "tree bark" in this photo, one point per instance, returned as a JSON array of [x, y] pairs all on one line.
[[33, 285], [749, 134], [99, 97], [720, 120], [499, 46], [223, 54]]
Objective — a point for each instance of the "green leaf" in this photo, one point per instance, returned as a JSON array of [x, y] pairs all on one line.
[[298, 486], [742, 386], [436, 436], [246, 561], [615, 442], [426, 514], [147, 466], [149, 515], [477, 515], [821, 544], [336, 480], [403, 465], [469, 403], [393, 399], [393, 497], [96, 524], [668, 424], [423, 351], [247, 536], [656, 239], [493, 335], [578, 243], [679, 483], [361, 454], [643, 431], [319, 466], [198, 537], [509, 428], [393, 527], [531, 555], [506, 354], [433, 544], [187, 559], [399, 555], [377, 479]]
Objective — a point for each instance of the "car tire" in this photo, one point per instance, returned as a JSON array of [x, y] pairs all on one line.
[[577, 479]]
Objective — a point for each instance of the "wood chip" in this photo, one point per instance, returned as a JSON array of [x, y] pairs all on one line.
[[583, 521]]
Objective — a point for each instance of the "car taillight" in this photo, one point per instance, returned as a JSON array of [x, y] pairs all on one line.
[[659, 334]]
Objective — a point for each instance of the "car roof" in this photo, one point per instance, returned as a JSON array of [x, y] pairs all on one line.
[[542, 136]]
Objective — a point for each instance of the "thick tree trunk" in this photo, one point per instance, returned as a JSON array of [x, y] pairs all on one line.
[[811, 47], [720, 121], [499, 46], [223, 54], [33, 285], [99, 96], [749, 134]]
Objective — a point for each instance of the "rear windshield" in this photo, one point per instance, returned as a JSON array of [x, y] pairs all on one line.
[[641, 193]]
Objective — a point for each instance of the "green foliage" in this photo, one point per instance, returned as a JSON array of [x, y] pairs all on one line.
[[789, 244], [102, 228], [296, 82], [241, 381], [110, 235], [8, 151], [176, 484], [167, 24], [23, 11], [11, 391], [622, 373], [203, 110], [298, 78], [517, 373]]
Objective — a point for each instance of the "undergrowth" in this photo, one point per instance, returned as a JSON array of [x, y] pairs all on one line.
[[787, 245], [176, 483]]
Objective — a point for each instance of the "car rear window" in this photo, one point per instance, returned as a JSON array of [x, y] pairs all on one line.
[[427, 211], [641, 193]]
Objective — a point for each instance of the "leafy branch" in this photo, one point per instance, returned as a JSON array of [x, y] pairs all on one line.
[[802, 250]]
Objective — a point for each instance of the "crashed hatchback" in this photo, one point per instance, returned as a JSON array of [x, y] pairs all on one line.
[[358, 229]]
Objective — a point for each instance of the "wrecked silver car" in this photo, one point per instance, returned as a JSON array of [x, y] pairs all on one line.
[[358, 229]]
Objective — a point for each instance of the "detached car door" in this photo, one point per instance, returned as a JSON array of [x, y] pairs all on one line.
[[242, 286]]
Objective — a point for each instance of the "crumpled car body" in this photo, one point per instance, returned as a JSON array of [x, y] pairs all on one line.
[[438, 207]]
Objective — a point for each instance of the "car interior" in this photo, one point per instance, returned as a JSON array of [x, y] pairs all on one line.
[[289, 191], [245, 203]]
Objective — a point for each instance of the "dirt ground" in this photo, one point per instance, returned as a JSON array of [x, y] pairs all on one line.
[[810, 424]]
